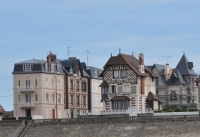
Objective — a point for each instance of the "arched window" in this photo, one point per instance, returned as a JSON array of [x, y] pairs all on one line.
[[47, 97], [59, 98]]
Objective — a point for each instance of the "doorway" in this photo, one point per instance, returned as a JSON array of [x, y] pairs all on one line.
[[28, 112], [53, 113]]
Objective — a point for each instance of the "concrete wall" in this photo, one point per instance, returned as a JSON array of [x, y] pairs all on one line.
[[151, 129]]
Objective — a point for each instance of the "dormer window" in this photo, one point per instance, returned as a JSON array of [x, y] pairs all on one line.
[[27, 67], [52, 67], [95, 73]]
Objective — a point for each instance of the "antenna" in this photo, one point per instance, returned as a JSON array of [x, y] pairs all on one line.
[[68, 51], [167, 58], [87, 57]]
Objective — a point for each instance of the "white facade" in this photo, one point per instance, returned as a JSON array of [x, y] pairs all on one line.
[[96, 104], [35, 95]]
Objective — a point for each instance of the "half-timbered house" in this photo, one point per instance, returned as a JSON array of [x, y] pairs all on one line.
[[127, 83]]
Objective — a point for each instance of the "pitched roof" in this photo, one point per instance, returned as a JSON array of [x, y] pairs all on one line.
[[183, 66], [123, 59], [152, 97], [2, 110], [178, 76], [104, 84]]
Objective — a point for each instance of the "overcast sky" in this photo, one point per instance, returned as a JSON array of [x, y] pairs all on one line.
[[157, 28]]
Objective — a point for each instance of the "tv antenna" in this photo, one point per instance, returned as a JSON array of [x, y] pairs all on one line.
[[68, 51], [167, 58], [87, 57]]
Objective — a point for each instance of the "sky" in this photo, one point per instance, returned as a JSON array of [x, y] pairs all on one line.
[[157, 28]]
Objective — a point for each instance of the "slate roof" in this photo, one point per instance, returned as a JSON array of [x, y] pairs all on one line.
[[123, 59], [74, 64], [2, 110], [91, 72], [183, 66], [37, 66], [176, 74], [177, 77]]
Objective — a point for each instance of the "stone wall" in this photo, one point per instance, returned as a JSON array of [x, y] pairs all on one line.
[[150, 129]]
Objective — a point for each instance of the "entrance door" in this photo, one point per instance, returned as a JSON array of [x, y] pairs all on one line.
[[53, 113], [28, 112], [72, 114]]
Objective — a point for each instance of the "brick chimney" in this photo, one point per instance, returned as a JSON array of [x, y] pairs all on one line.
[[50, 57], [141, 62]]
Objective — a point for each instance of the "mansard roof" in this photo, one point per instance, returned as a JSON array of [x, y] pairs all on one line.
[[123, 59], [185, 67]]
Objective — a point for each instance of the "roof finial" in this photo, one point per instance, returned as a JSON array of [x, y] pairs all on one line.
[[132, 53], [184, 52], [119, 51], [111, 54]]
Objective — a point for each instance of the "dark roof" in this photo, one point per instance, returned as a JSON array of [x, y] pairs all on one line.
[[178, 78], [123, 59], [185, 67], [120, 98], [94, 72], [38, 66], [152, 97], [104, 84], [2, 110]]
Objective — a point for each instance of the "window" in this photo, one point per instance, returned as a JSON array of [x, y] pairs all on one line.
[[47, 97], [127, 88], [52, 83], [71, 85], [46, 68], [59, 86], [115, 74], [46, 82], [72, 100], [27, 67], [52, 67], [36, 82], [28, 86], [59, 98], [84, 86], [84, 101], [119, 74], [95, 73], [189, 97], [123, 74], [157, 93], [173, 96], [28, 98], [78, 101], [120, 104], [36, 97], [19, 99], [113, 89], [156, 81], [77, 85], [53, 98], [19, 82]]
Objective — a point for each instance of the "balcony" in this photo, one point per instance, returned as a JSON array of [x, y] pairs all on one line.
[[25, 89], [24, 105]]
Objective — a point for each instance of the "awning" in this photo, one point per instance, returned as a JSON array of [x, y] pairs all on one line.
[[120, 98]]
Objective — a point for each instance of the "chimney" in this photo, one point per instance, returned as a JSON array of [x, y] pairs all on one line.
[[168, 72], [141, 63], [50, 57], [72, 58], [141, 59]]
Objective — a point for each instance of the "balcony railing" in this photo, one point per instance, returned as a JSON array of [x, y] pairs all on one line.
[[29, 88], [27, 104]]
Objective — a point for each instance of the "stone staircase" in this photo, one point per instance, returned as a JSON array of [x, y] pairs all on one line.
[[23, 129]]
